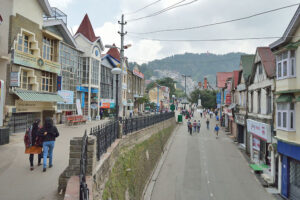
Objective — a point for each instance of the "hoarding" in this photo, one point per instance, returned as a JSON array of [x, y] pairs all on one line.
[[67, 95]]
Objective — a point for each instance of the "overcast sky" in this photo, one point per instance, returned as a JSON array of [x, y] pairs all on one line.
[[104, 15]]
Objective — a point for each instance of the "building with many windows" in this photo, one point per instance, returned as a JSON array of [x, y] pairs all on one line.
[[34, 68], [287, 120]]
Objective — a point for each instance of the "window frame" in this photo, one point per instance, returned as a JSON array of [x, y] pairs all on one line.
[[290, 116], [49, 46], [288, 59], [47, 82]]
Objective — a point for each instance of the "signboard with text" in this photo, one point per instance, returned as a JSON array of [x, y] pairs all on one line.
[[256, 143], [260, 130], [67, 95], [219, 98], [14, 79]]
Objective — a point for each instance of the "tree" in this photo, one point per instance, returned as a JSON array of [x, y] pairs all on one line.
[[208, 98], [168, 82], [179, 93]]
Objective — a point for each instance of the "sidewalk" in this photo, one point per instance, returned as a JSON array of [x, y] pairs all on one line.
[[16, 179]]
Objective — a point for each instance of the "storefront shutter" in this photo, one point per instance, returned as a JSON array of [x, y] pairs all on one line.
[[294, 180]]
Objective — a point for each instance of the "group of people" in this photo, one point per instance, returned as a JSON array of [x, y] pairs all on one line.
[[40, 140], [195, 127]]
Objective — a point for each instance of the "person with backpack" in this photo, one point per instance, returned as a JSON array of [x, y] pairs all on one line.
[[190, 126], [33, 143], [49, 133], [198, 126], [207, 123]]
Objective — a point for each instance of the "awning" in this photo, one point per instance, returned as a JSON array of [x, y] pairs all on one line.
[[285, 98], [231, 106], [288, 91], [27, 95]]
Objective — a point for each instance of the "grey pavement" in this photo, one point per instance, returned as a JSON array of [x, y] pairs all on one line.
[[17, 182], [205, 168]]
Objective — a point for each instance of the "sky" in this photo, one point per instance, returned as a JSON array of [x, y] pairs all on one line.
[[104, 16]]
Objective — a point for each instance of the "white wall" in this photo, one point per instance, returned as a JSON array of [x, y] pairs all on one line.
[[30, 9]]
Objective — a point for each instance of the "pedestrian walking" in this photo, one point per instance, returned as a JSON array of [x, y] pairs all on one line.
[[49, 133], [217, 128], [198, 126], [207, 123], [190, 127], [33, 143], [195, 126]]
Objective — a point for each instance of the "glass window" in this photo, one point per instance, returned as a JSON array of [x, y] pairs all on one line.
[[279, 119], [279, 70], [284, 119], [47, 82], [49, 46]]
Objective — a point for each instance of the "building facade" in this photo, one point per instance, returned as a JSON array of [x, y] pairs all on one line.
[[261, 112], [287, 120]]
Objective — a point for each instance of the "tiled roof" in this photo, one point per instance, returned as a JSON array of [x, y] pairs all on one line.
[[86, 29], [222, 77], [247, 64], [236, 77], [114, 52], [268, 60], [27, 95]]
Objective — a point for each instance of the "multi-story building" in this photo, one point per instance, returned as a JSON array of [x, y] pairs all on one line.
[[163, 99], [32, 73], [88, 87], [246, 64], [234, 101], [138, 88], [287, 120], [260, 114]]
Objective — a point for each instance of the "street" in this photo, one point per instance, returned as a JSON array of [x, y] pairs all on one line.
[[203, 167], [19, 183]]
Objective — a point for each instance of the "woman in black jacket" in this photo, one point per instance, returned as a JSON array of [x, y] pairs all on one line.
[[49, 132]]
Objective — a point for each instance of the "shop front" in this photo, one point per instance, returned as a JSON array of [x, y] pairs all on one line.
[[290, 169], [83, 94], [106, 106], [241, 129], [30, 106]]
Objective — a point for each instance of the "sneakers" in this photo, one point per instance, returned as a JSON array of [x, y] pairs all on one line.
[[44, 169], [50, 166]]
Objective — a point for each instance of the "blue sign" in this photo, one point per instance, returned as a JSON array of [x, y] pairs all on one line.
[[112, 105], [59, 82], [219, 98], [67, 95], [225, 93], [85, 89], [82, 99]]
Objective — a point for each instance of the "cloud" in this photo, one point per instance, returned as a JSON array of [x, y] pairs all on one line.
[[61, 4]]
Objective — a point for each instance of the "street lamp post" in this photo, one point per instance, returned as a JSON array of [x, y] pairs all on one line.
[[117, 71]]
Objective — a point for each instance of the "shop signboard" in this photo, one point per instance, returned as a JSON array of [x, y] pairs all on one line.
[[67, 95], [260, 130], [14, 79], [29, 60], [219, 98], [78, 106], [228, 99], [239, 119], [59, 78], [112, 105], [255, 143]]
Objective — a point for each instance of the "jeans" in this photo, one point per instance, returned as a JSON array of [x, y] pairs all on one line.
[[47, 146], [31, 156]]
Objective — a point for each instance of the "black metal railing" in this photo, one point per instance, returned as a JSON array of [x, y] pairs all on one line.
[[84, 191], [106, 134], [134, 124]]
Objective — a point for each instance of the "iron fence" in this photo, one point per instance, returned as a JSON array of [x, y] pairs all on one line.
[[134, 124], [84, 191], [106, 134]]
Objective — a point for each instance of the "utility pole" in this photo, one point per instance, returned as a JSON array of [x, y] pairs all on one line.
[[122, 60], [184, 75]]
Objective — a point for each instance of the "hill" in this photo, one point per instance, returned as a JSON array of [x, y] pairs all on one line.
[[196, 65]]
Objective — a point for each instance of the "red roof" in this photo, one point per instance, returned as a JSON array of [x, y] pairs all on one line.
[[86, 29], [236, 77], [268, 60], [114, 52], [222, 77]]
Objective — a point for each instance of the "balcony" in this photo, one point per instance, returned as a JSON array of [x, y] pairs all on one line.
[[287, 84], [57, 14]]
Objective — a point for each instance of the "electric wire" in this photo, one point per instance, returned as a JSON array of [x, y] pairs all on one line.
[[217, 23], [140, 9], [176, 5]]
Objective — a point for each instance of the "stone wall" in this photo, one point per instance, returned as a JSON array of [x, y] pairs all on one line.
[[101, 170]]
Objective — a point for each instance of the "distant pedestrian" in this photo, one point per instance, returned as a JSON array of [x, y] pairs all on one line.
[[217, 128], [198, 126], [190, 127], [49, 133], [217, 118], [33, 143], [207, 123], [195, 126]]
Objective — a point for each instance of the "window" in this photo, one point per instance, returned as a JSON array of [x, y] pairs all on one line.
[[47, 82], [49, 46], [258, 101], [24, 44], [95, 72], [286, 116], [286, 64], [25, 80], [260, 71]]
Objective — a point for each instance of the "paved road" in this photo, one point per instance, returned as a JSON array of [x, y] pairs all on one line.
[[17, 182], [205, 168]]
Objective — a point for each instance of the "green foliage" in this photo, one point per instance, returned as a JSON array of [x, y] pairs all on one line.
[[179, 93], [144, 99], [168, 82], [132, 168], [208, 98]]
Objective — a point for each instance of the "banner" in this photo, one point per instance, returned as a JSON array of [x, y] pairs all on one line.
[[260, 130], [67, 95], [78, 106], [255, 143], [219, 98]]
